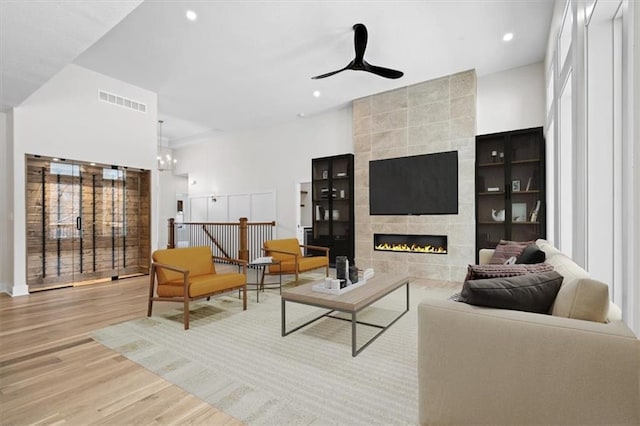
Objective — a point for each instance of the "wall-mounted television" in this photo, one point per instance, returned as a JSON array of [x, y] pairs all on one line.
[[415, 185]]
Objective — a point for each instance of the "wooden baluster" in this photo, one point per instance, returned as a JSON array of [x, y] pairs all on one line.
[[171, 240], [243, 252]]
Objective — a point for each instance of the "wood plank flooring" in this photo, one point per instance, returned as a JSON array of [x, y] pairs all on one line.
[[52, 372]]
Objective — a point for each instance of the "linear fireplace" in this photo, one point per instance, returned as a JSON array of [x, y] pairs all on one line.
[[436, 244]]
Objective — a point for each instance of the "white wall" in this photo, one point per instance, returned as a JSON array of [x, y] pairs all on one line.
[[265, 159], [511, 99], [170, 185], [64, 118], [6, 260]]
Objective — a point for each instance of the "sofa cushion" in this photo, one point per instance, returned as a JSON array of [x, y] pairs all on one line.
[[548, 248], [475, 272], [531, 254], [530, 293], [584, 299], [506, 249], [304, 264], [203, 285]]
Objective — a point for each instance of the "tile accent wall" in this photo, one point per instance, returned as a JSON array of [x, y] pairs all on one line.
[[433, 116]]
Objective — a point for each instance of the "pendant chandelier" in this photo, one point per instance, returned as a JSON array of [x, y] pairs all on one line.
[[165, 163]]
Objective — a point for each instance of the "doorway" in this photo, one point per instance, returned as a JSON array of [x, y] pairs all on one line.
[[85, 222], [305, 213]]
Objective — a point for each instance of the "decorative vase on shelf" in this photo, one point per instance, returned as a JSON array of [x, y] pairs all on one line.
[[497, 215]]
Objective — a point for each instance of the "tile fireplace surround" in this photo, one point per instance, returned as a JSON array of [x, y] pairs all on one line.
[[433, 116]]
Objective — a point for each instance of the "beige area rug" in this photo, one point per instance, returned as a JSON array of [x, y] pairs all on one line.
[[238, 361]]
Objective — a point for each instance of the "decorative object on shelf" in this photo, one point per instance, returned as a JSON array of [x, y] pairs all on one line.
[[325, 174], [324, 193], [497, 215], [502, 156], [528, 184], [341, 174], [342, 193], [535, 212], [493, 189], [165, 163], [515, 185], [494, 156], [519, 212]]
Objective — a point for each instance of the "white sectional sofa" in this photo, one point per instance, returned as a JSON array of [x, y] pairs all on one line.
[[479, 365]]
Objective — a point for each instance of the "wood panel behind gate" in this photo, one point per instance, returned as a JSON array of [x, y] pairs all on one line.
[[114, 239]]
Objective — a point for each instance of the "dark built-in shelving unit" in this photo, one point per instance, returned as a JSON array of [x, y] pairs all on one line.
[[332, 195], [510, 177]]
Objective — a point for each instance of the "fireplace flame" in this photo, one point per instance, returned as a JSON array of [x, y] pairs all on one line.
[[413, 248]]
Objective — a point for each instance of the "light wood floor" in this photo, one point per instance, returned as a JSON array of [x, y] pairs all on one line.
[[52, 372]]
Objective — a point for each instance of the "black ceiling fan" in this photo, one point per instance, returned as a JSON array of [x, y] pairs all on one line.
[[358, 63]]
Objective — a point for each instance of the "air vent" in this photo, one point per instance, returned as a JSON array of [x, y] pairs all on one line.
[[121, 101]]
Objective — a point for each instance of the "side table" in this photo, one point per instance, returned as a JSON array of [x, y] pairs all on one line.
[[259, 267]]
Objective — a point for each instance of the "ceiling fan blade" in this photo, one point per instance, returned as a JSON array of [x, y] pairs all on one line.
[[360, 37], [382, 72], [329, 74]]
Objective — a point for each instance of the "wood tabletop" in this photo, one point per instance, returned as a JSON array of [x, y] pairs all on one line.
[[351, 301]]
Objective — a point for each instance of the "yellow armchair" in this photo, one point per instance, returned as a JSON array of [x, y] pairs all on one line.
[[186, 274], [288, 253]]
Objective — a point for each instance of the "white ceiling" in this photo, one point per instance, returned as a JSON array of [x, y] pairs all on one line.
[[39, 38], [246, 64]]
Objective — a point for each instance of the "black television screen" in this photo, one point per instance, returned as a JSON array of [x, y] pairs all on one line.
[[416, 185]]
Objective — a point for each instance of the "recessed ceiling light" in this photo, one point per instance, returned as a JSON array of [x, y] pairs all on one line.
[[93, 164], [316, 93], [507, 37], [191, 15], [301, 114]]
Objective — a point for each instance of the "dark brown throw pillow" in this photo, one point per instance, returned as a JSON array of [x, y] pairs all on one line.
[[531, 254], [506, 249], [529, 293], [476, 272]]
